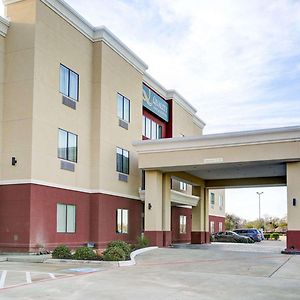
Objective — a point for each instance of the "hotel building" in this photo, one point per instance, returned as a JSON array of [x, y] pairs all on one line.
[[73, 98]]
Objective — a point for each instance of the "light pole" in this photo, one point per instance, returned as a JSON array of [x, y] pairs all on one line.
[[259, 193]]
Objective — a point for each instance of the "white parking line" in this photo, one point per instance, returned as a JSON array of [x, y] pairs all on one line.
[[28, 277], [2, 279], [52, 275]]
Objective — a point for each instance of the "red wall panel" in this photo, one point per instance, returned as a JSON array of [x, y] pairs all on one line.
[[14, 217], [217, 220], [176, 213], [44, 202]]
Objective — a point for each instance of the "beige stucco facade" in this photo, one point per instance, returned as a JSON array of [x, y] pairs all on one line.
[[38, 41], [42, 35], [218, 207]]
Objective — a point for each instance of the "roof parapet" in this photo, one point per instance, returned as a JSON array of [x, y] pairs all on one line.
[[102, 33], [173, 94], [95, 34]]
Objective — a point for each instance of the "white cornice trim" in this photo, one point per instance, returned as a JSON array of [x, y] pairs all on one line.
[[64, 187], [155, 85], [231, 139], [4, 24], [6, 2], [174, 95], [198, 122], [96, 34]]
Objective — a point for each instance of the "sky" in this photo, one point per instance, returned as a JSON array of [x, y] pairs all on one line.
[[236, 61]]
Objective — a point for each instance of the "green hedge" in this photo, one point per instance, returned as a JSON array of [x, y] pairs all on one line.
[[274, 236], [114, 253], [61, 252], [122, 245], [84, 253]]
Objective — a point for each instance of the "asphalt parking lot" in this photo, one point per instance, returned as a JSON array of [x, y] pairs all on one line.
[[217, 271]]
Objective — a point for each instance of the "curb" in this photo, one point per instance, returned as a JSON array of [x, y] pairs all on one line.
[[125, 263], [133, 254]]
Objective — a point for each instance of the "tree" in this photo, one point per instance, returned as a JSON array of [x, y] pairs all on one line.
[[233, 222]]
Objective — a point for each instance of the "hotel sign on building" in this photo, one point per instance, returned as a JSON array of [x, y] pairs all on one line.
[[155, 103]]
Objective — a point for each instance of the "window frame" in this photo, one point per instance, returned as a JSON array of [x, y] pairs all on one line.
[[67, 149], [183, 186], [212, 227], [122, 161], [69, 76], [221, 202], [123, 114], [66, 205], [148, 130], [182, 224], [124, 227], [212, 199]]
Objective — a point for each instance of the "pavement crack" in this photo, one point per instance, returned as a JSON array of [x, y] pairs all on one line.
[[284, 263]]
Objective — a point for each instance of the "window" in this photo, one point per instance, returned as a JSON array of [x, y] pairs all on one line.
[[123, 108], [69, 83], [151, 129], [122, 161], [221, 202], [212, 200], [182, 224], [182, 186], [66, 218], [67, 145], [122, 221], [212, 227], [220, 226]]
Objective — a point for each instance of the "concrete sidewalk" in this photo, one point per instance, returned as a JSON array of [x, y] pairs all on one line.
[[214, 272]]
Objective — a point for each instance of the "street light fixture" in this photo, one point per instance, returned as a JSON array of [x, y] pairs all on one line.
[[259, 193]]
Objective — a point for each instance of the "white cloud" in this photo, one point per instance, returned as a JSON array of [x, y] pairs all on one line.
[[224, 56], [244, 202]]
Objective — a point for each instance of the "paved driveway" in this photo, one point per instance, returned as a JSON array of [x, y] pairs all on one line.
[[211, 272]]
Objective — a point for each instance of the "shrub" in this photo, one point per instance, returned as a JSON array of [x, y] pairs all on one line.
[[121, 245], [61, 252], [84, 253], [275, 236], [114, 253], [267, 235], [142, 242]]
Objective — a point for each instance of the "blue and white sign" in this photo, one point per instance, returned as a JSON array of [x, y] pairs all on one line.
[[155, 103]]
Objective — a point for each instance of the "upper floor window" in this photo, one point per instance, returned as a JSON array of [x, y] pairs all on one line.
[[221, 202], [123, 108], [66, 218], [67, 145], [183, 186], [151, 129], [122, 161], [212, 200], [69, 83]]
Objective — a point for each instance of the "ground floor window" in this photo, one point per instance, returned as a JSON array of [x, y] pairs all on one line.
[[212, 227], [122, 220], [182, 224], [220, 226], [66, 218]]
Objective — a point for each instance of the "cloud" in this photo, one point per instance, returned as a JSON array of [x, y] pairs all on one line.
[[237, 62]]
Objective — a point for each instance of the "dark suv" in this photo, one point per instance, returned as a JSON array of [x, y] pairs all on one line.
[[251, 232]]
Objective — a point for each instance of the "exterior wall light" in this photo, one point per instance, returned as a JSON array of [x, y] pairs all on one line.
[[149, 205], [13, 161]]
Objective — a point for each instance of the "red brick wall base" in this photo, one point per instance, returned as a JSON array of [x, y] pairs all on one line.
[[293, 240], [200, 237], [159, 238]]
